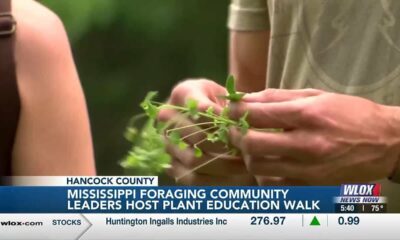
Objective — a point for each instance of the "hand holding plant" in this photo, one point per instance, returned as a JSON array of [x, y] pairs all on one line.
[[189, 135]]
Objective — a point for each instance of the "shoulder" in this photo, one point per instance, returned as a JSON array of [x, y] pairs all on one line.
[[41, 39], [36, 23], [42, 51], [45, 66]]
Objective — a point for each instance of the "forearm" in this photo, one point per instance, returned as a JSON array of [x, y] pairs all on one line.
[[393, 116], [248, 52], [53, 136]]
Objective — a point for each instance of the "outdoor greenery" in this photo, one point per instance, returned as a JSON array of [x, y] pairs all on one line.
[[126, 48]]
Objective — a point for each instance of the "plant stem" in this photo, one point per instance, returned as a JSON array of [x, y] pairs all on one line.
[[189, 126], [200, 142], [197, 132], [207, 115], [201, 165], [133, 119]]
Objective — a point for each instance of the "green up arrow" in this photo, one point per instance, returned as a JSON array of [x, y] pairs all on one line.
[[315, 222]]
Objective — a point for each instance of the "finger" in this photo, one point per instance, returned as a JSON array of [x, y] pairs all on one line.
[[191, 132], [279, 181], [272, 158], [270, 181], [184, 126], [205, 93], [285, 115], [194, 134], [187, 129], [178, 170], [280, 95], [282, 167], [165, 115], [256, 143], [215, 164]]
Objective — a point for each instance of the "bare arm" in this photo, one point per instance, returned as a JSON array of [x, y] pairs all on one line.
[[53, 135], [248, 52]]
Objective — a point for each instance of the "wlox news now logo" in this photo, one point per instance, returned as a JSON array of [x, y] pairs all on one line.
[[360, 193]]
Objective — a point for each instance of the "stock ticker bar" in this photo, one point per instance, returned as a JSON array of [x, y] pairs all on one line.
[[137, 208]]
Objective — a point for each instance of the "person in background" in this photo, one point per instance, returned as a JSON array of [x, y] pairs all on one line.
[[44, 124], [327, 72]]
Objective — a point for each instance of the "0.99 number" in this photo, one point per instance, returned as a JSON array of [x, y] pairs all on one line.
[[348, 220], [267, 220]]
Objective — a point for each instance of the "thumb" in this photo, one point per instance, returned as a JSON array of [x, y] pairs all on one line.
[[280, 95]]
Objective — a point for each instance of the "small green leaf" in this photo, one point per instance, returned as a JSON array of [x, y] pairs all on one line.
[[222, 134], [243, 124], [130, 134], [233, 95], [210, 110], [198, 152], [236, 97], [192, 106], [175, 137], [149, 108], [230, 85], [161, 127], [225, 112], [212, 137], [150, 96], [182, 145]]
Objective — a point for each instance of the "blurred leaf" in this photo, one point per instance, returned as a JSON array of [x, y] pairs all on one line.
[[198, 152]]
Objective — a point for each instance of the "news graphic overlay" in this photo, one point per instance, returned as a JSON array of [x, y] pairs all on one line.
[[360, 198], [136, 207]]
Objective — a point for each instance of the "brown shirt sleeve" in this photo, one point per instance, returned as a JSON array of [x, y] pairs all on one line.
[[248, 15]]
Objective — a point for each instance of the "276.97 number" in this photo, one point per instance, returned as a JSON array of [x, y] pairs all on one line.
[[265, 220]]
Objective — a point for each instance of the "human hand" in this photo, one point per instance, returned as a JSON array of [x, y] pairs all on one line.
[[214, 167], [328, 138]]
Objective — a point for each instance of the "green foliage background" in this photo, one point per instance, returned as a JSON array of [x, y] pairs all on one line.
[[125, 48]]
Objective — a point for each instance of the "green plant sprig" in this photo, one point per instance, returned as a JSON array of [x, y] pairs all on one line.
[[149, 154], [233, 95]]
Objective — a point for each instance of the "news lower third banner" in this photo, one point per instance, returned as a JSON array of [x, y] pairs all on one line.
[[135, 207]]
